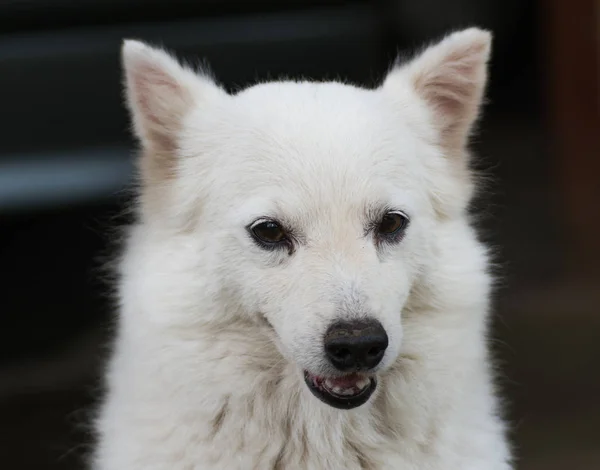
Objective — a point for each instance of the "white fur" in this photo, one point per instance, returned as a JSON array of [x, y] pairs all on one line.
[[214, 332]]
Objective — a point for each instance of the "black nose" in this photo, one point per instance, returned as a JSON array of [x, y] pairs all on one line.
[[355, 345]]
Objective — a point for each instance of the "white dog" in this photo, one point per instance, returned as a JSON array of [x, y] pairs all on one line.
[[303, 289]]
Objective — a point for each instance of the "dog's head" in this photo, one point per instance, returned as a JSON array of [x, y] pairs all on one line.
[[311, 205]]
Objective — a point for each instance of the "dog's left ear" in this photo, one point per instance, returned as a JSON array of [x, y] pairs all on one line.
[[450, 77]]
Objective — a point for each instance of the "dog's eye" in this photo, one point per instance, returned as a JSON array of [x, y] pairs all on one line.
[[392, 224], [268, 232]]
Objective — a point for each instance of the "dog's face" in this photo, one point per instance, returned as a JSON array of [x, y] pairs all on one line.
[[319, 201]]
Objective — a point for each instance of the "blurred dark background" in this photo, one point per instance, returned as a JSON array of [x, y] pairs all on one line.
[[66, 161]]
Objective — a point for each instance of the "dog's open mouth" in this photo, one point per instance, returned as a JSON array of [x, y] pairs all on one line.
[[346, 392]]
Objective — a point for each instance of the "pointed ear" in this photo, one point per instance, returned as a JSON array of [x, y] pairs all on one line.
[[160, 93], [450, 77]]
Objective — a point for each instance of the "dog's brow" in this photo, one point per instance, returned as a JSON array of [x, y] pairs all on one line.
[[376, 210]]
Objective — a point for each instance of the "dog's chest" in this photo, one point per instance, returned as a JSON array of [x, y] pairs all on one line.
[[316, 440]]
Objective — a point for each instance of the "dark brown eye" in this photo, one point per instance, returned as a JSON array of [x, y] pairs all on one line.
[[268, 232], [392, 224]]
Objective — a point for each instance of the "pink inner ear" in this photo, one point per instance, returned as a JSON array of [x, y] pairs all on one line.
[[153, 88], [452, 87]]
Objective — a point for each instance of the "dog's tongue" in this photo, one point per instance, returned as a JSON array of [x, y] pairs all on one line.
[[344, 382]]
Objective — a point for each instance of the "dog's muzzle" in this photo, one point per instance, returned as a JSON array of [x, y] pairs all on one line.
[[355, 349]]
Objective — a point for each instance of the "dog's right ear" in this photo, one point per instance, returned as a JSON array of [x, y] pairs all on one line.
[[160, 93]]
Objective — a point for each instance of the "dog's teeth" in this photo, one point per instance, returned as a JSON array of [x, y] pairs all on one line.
[[362, 383], [357, 387]]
